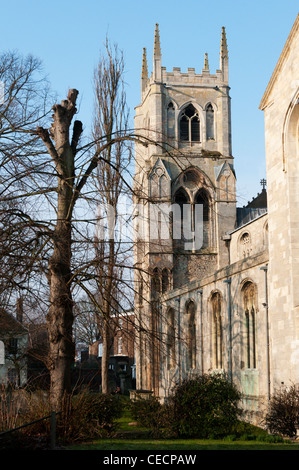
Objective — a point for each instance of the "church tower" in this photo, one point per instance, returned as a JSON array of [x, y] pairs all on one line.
[[185, 181]]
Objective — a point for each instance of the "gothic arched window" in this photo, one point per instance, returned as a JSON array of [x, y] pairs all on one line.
[[190, 125], [171, 339], [170, 121], [217, 335], [249, 296], [202, 198], [156, 284], [191, 335], [165, 280], [181, 198], [179, 221], [210, 122]]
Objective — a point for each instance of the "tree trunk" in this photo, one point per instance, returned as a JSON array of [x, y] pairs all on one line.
[[60, 313], [105, 357], [107, 317], [60, 317]]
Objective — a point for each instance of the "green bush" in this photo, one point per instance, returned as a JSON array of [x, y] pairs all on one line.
[[205, 407], [150, 413]]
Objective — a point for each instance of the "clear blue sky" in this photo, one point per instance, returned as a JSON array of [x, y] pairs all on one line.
[[68, 36]]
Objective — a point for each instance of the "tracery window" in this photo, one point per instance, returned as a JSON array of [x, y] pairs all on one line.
[[217, 333], [245, 245], [190, 125], [192, 219]]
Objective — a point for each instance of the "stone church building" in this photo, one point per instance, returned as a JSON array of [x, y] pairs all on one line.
[[217, 285]]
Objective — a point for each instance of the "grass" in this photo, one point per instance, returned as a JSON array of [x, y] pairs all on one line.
[[134, 437], [180, 444]]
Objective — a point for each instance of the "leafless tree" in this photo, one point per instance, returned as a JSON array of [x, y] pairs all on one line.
[[24, 99], [110, 120], [51, 176]]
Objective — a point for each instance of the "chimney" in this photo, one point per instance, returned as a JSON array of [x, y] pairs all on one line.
[[20, 310]]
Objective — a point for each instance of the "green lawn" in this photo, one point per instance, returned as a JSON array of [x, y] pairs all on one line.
[[137, 438], [180, 444]]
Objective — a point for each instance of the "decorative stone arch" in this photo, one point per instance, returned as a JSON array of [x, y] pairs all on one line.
[[197, 106], [291, 166], [194, 188], [191, 185], [290, 134], [159, 181]]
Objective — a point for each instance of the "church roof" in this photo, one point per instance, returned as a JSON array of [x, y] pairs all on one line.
[[280, 63]]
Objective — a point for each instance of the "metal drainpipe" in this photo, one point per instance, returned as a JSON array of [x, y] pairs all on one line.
[[230, 362], [179, 337], [265, 304], [201, 331]]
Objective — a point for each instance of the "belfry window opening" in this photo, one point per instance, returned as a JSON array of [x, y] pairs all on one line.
[[190, 125]]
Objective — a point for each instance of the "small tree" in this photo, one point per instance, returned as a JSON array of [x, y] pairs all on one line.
[[283, 415]]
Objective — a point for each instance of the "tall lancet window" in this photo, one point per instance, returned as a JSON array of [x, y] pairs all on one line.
[[156, 283], [170, 121], [171, 339], [249, 296], [191, 335], [210, 122], [190, 125], [203, 199], [217, 338]]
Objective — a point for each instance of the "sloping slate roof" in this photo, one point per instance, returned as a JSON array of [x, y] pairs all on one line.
[[9, 325]]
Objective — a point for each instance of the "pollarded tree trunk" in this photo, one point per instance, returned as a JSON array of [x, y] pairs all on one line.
[[60, 314]]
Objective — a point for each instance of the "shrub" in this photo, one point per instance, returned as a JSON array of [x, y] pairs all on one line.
[[283, 415], [9, 410], [84, 415], [204, 407], [150, 413], [88, 415]]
